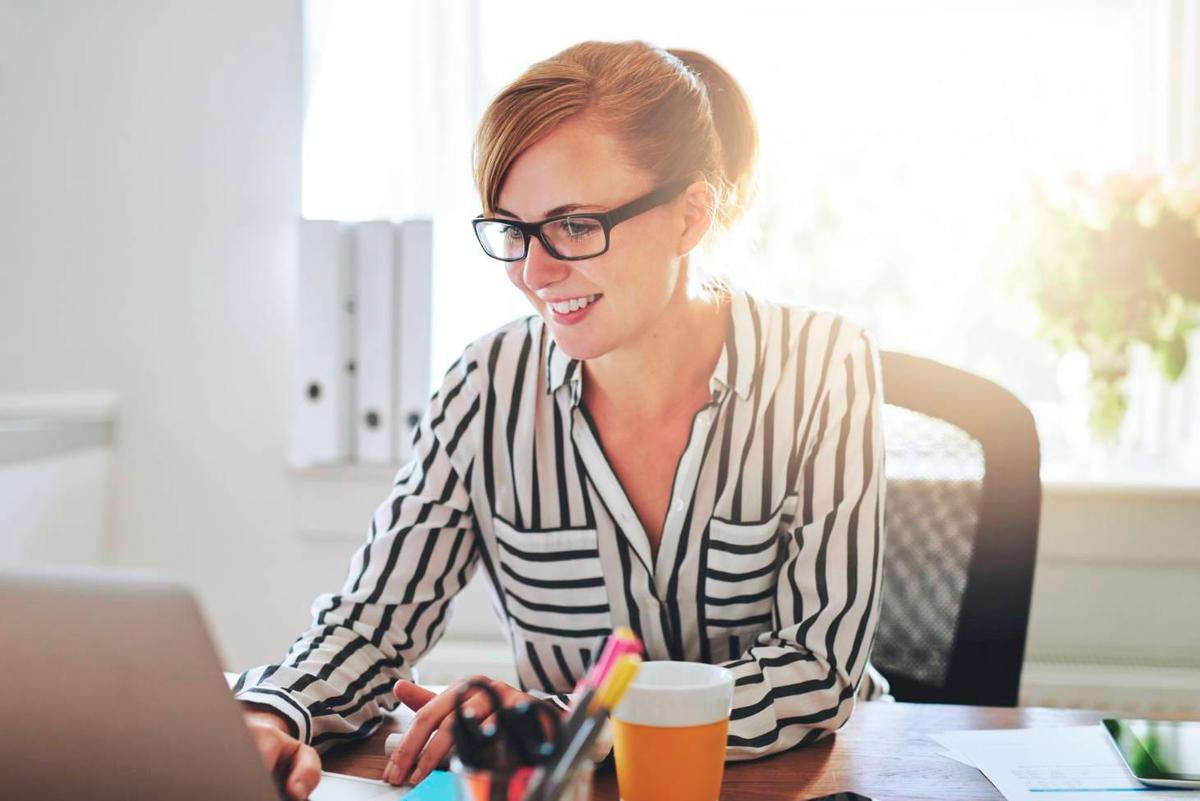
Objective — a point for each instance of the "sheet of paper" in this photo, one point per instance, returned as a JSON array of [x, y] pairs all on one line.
[[340, 787], [438, 786], [1075, 763], [948, 754]]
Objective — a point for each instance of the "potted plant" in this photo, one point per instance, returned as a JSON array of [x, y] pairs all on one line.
[[1115, 262]]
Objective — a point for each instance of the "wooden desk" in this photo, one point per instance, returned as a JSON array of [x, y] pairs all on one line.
[[883, 753]]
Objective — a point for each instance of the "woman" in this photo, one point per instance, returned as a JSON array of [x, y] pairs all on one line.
[[649, 449]]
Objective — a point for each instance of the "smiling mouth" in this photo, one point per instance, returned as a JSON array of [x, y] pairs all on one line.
[[574, 304]]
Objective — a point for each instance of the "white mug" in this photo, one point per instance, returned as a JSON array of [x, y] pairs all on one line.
[[669, 732]]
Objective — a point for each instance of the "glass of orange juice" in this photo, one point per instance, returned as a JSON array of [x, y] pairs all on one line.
[[669, 732]]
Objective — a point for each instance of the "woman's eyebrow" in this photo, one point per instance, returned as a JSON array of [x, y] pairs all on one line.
[[569, 207], [554, 212]]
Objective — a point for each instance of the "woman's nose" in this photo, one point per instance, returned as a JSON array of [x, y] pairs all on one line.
[[541, 268]]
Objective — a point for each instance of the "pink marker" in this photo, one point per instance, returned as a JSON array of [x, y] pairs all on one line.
[[623, 641]]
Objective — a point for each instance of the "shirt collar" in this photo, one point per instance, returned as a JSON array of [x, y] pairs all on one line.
[[561, 369], [739, 358], [735, 368]]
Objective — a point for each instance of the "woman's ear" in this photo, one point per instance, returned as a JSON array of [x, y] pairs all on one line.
[[699, 211]]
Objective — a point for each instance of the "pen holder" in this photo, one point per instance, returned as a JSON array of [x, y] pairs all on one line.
[[490, 785]]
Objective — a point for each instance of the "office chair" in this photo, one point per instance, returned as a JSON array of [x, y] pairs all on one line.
[[962, 507]]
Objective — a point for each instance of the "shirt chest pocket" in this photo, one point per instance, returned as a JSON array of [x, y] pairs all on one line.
[[741, 576], [553, 582]]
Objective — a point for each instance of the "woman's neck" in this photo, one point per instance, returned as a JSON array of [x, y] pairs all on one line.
[[667, 369]]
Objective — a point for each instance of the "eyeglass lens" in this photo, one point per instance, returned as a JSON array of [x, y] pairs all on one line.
[[570, 237]]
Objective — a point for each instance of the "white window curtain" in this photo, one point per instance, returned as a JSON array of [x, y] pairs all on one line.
[[393, 93], [897, 140]]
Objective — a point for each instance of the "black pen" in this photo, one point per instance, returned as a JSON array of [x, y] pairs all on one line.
[[553, 778], [575, 719]]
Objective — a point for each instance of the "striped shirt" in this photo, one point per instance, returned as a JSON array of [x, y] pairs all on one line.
[[769, 561]]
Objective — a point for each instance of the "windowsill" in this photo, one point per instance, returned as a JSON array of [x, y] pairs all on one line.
[[1150, 486], [1112, 476]]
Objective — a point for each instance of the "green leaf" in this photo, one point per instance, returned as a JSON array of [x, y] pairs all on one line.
[[1172, 356]]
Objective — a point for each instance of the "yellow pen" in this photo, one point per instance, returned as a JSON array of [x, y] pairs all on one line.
[[618, 681], [550, 784]]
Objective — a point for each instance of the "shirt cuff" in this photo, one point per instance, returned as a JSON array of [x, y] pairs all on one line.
[[560, 700], [282, 703]]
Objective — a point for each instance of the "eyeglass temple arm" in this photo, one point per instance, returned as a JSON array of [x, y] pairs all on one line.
[[646, 202]]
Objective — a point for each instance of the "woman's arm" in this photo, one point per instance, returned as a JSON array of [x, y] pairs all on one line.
[[798, 682], [337, 678]]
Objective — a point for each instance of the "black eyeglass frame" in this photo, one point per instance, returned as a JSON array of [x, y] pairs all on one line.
[[608, 220]]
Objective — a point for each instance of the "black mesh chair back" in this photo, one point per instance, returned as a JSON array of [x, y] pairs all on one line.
[[962, 508]]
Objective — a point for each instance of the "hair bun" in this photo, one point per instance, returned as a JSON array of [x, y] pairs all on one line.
[[733, 119]]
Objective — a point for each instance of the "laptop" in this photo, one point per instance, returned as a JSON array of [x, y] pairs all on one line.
[[110, 689]]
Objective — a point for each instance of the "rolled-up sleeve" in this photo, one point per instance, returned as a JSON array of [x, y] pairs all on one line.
[[335, 681], [799, 680]]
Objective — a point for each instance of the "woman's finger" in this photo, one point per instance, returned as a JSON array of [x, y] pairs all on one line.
[[435, 751], [430, 737], [269, 743], [305, 773], [442, 742], [429, 716], [412, 695]]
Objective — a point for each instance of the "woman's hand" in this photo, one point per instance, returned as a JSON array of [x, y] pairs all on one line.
[[429, 739], [297, 766]]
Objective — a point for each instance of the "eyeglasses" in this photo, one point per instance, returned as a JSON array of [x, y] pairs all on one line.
[[570, 237]]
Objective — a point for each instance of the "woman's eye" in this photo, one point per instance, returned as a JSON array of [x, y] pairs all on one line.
[[512, 233], [577, 229]]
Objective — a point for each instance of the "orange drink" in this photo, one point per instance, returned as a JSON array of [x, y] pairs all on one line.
[[669, 732]]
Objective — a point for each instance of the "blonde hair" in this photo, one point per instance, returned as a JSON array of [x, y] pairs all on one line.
[[676, 114]]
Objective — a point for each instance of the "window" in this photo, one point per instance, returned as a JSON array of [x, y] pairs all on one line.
[[898, 141]]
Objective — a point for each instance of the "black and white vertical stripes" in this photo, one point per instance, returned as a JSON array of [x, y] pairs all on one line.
[[769, 560]]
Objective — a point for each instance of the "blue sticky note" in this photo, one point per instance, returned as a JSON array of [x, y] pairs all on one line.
[[437, 786]]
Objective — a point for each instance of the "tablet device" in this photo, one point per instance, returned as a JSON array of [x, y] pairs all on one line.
[[1160, 753]]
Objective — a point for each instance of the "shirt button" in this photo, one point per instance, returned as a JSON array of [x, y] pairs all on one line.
[[678, 505]]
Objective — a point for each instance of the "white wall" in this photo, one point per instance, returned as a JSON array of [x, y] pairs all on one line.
[[149, 184]]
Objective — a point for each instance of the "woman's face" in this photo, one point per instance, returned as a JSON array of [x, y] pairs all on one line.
[[578, 167]]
